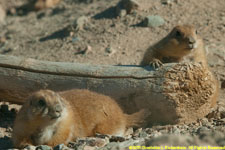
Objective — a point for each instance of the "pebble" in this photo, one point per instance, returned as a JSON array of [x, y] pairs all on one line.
[[117, 139], [43, 147], [75, 39], [125, 7], [80, 22], [86, 147], [166, 2], [97, 142], [61, 147], [110, 50], [204, 121], [122, 13], [30, 147], [202, 129], [130, 5], [153, 21]]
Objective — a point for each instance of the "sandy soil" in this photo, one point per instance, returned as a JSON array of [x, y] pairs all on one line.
[[105, 39]]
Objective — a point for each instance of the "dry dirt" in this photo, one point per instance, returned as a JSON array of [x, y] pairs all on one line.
[[105, 39]]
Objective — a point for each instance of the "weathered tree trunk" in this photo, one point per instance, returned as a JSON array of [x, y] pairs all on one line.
[[175, 93]]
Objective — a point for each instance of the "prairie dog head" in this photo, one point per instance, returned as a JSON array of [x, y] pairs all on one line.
[[182, 40], [45, 105]]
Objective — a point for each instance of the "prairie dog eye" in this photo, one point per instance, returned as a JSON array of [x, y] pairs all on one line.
[[196, 31], [177, 34], [41, 102]]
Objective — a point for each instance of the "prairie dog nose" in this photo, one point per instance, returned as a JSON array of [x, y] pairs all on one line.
[[58, 108], [191, 40]]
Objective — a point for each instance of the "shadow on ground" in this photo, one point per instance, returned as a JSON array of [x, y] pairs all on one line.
[[60, 34], [7, 118], [5, 143], [109, 13]]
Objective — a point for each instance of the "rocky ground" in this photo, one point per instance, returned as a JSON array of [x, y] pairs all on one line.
[[95, 32]]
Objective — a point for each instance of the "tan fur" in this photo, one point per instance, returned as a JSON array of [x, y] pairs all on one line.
[[42, 4], [83, 113], [186, 45]]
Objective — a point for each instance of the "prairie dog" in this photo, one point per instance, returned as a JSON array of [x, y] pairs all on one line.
[[42, 4], [51, 118], [182, 44]]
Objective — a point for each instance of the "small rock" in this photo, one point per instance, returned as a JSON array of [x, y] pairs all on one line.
[[84, 51], [166, 2], [43, 147], [102, 136], [153, 21], [204, 121], [129, 131], [80, 22], [75, 39], [2, 14], [110, 50], [117, 139], [122, 13], [156, 134], [86, 147], [202, 130], [61, 147], [97, 142], [30, 147], [130, 5], [125, 7], [175, 130], [9, 129], [137, 132]]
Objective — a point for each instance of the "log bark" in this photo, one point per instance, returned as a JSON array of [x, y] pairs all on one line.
[[174, 93]]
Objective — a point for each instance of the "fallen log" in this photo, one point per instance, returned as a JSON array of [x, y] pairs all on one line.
[[175, 93]]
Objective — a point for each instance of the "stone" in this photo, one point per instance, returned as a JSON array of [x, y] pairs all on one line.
[[125, 7], [117, 139], [80, 22], [204, 121], [86, 147], [61, 147], [202, 129], [166, 2], [130, 5], [153, 21], [43, 147], [30, 147]]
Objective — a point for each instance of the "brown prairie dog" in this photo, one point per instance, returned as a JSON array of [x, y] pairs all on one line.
[[42, 4], [52, 118], [181, 44]]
